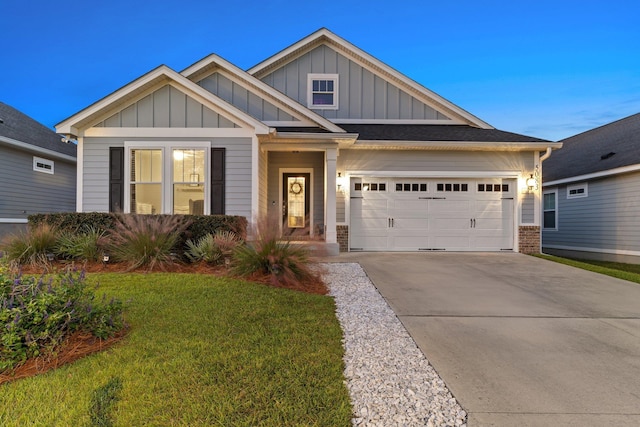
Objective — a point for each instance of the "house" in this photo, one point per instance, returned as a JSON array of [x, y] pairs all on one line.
[[591, 194], [335, 144], [37, 169]]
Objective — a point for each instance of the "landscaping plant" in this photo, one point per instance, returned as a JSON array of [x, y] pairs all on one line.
[[212, 248], [37, 315], [87, 245], [31, 247], [268, 254], [145, 240]]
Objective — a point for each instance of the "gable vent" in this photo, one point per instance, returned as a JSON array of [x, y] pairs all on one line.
[[606, 156]]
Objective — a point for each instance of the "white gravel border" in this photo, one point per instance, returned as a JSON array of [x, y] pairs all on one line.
[[390, 380]]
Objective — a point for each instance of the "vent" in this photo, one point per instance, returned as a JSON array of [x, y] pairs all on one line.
[[608, 155]]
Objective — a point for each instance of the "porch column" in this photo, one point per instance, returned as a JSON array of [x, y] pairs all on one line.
[[330, 234]]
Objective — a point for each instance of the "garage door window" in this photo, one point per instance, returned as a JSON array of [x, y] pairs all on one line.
[[451, 187], [411, 187], [486, 188], [370, 186]]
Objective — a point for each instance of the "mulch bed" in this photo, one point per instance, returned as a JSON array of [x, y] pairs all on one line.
[[83, 344]]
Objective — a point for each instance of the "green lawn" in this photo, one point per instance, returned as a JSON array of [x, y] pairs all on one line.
[[202, 351], [630, 272]]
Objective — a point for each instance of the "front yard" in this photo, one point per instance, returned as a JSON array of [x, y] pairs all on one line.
[[201, 351]]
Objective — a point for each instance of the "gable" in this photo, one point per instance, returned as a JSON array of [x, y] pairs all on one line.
[[362, 93], [167, 107], [243, 99]]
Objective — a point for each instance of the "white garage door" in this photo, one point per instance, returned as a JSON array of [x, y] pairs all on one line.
[[397, 214]]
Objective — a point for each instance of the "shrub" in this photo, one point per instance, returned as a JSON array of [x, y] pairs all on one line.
[[212, 248], [37, 315], [282, 262], [88, 245], [31, 247], [146, 240]]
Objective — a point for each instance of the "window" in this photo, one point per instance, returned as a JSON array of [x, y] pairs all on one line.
[[549, 207], [172, 178], [406, 186], [493, 188], [448, 187], [577, 191], [370, 186], [322, 91], [42, 165]]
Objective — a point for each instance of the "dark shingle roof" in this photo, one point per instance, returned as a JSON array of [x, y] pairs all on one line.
[[20, 127], [393, 132], [607, 147]]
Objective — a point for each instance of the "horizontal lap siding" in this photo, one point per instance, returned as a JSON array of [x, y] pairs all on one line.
[[238, 171], [362, 94], [27, 190], [609, 218]]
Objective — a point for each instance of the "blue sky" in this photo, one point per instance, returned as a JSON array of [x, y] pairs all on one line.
[[549, 69]]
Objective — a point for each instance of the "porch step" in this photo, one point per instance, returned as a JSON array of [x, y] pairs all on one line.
[[318, 249]]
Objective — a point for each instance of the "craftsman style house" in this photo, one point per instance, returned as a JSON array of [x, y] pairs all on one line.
[[337, 145]]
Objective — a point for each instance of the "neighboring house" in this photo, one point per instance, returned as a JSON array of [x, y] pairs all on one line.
[[592, 194], [337, 145], [37, 169]]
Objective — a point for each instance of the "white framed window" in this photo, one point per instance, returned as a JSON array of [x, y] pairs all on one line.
[[577, 191], [43, 165], [322, 91], [166, 178], [550, 210]]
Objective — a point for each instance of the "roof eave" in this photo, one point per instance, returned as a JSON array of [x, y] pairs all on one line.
[[454, 145]]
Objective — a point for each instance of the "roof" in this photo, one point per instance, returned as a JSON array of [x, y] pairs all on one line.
[[19, 127], [611, 146], [457, 133]]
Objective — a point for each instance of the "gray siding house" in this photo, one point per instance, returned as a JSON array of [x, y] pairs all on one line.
[[38, 170], [592, 194], [333, 144]]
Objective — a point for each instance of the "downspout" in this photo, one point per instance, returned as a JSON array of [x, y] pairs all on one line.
[[544, 157]]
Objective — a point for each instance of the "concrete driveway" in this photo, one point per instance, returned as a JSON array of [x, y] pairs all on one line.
[[519, 341]]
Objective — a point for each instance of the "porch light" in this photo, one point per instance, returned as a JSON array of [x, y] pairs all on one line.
[[532, 183], [340, 181]]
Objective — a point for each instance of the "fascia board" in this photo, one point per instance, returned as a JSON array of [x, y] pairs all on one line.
[[35, 149], [243, 78], [372, 64], [594, 175], [453, 145]]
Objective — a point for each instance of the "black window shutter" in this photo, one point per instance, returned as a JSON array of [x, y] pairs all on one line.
[[116, 179], [217, 181]]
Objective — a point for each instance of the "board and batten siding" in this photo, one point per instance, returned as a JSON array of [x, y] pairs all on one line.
[[608, 218], [167, 107], [301, 160], [361, 94], [243, 99], [25, 191], [95, 196]]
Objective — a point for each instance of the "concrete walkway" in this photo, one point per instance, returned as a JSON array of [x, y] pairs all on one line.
[[519, 341]]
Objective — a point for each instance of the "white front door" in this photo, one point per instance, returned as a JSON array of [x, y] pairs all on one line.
[[397, 214]]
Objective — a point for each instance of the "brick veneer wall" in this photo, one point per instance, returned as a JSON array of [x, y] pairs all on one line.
[[343, 237], [529, 238]]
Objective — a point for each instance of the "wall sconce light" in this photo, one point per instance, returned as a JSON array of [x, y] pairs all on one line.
[[532, 183], [340, 182]]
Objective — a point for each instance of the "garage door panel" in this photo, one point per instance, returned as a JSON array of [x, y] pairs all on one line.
[[404, 219]]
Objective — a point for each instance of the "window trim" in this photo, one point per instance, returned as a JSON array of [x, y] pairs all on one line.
[[583, 185], [45, 162], [167, 170], [322, 76], [555, 209]]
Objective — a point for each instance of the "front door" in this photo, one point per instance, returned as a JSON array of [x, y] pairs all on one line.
[[296, 211]]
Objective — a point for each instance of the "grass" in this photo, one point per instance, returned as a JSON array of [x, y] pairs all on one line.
[[202, 351], [630, 272]]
